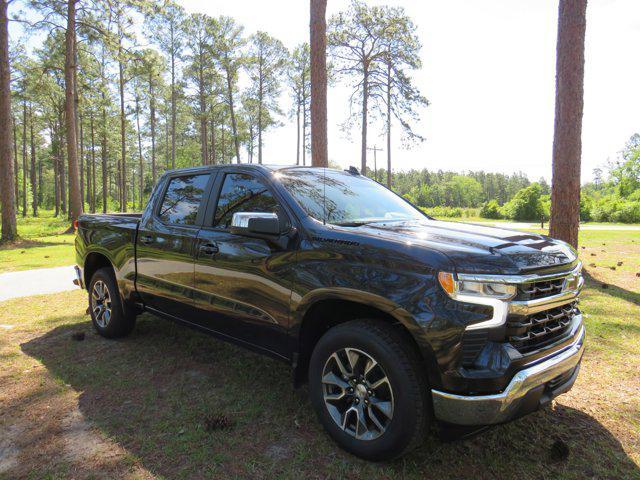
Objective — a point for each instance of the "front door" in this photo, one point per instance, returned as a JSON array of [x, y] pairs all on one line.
[[166, 245], [243, 285]]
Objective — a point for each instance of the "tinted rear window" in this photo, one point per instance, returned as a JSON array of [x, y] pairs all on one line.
[[182, 199]]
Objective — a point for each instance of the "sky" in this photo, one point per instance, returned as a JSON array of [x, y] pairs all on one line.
[[489, 74]]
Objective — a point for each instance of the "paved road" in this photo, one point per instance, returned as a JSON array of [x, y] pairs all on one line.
[[35, 282]]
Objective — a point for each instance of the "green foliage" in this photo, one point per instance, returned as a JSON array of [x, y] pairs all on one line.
[[443, 212], [526, 205], [491, 209]]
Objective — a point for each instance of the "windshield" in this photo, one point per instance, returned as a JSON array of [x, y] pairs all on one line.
[[351, 200]]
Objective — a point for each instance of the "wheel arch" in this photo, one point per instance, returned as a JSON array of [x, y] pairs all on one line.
[[92, 263], [324, 309]]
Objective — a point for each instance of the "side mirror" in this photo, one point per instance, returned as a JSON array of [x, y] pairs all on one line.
[[255, 224]]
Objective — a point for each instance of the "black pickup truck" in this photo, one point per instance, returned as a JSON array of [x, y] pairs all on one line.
[[398, 322]]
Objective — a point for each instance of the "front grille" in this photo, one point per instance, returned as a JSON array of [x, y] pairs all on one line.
[[536, 331], [540, 289]]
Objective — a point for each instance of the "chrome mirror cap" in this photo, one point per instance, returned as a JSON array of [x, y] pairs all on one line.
[[241, 219]]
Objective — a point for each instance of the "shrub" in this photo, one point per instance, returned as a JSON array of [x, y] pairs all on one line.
[[526, 205], [444, 212], [490, 209]]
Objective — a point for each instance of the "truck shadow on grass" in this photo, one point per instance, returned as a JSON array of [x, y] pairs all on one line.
[[187, 405]]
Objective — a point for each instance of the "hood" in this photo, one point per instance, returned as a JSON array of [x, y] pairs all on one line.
[[475, 248]]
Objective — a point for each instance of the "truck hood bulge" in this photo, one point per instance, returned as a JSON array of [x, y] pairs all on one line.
[[475, 248]]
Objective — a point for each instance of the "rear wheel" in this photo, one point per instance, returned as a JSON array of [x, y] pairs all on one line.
[[109, 316], [368, 389]]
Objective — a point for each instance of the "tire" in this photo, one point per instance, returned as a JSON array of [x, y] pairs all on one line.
[[361, 343], [109, 316]]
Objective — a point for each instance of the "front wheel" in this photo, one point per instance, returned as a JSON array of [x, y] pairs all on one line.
[[109, 316], [369, 390]]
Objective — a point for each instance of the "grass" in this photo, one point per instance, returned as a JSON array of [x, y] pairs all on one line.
[[168, 402], [42, 243]]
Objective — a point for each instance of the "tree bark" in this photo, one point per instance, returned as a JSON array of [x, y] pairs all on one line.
[[75, 200], [318, 43], [567, 142], [93, 167], [24, 159], [234, 125], [173, 98], [141, 161], [103, 148], [260, 98], [152, 116], [388, 124], [81, 158], [298, 131], [16, 199], [7, 179], [123, 133], [34, 181], [365, 108]]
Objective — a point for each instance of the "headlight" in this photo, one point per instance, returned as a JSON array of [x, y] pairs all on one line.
[[456, 288]]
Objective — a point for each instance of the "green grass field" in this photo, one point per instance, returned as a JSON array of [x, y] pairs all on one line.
[[168, 402], [42, 243]]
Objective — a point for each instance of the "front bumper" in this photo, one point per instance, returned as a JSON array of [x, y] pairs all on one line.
[[529, 388], [78, 280]]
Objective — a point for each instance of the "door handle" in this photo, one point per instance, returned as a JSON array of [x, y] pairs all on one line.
[[209, 249], [146, 239]]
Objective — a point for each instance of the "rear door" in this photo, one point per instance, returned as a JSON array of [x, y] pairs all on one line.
[[166, 243], [242, 284]]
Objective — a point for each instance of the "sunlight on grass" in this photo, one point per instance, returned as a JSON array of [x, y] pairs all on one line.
[[42, 243]]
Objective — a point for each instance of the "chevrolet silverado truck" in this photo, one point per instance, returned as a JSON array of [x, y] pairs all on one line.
[[397, 322]]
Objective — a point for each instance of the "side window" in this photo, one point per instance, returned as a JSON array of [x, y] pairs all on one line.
[[182, 199], [242, 193]]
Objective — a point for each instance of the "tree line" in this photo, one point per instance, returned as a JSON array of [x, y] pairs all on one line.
[[117, 93]]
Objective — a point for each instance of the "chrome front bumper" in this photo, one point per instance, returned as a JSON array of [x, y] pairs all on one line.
[[501, 407]]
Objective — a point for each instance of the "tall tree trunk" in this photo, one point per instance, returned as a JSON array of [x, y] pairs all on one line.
[[123, 143], [81, 157], [389, 124], [365, 107], [7, 179], [166, 141], [93, 167], [56, 175], [152, 116], [61, 170], [260, 98], [567, 141], [16, 181], [213, 140], [24, 159], [141, 161], [234, 125], [173, 98], [318, 44], [298, 131], [304, 124], [103, 152], [75, 200], [34, 182], [203, 115], [222, 151]]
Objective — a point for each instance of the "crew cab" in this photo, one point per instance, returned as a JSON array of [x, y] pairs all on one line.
[[397, 321]]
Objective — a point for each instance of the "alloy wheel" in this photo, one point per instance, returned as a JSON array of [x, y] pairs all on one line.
[[101, 304], [357, 393]]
